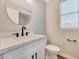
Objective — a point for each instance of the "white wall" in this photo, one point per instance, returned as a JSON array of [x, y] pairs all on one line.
[[38, 19], [58, 36], [37, 23]]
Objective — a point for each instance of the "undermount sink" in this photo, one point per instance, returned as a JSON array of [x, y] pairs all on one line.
[[27, 37], [24, 37]]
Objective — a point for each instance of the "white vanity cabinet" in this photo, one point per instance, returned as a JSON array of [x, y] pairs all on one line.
[[33, 50]]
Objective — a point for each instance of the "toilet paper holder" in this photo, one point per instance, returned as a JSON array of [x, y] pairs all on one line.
[[71, 40]]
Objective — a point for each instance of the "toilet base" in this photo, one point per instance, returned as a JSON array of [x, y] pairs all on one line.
[[52, 51], [53, 57]]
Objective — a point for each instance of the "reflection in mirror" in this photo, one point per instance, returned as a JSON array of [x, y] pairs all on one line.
[[23, 18], [19, 11]]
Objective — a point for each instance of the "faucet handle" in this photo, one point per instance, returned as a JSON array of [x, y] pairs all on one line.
[[27, 33], [17, 34]]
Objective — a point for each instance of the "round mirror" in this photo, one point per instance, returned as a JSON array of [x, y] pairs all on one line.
[[19, 11]]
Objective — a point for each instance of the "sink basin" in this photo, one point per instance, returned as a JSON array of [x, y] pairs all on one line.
[[27, 37]]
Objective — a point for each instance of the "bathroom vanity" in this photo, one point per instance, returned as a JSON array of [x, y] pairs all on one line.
[[20, 47], [30, 47]]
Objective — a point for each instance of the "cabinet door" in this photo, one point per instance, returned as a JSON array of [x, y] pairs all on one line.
[[40, 53], [28, 51], [36, 54], [17, 55], [29, 56]]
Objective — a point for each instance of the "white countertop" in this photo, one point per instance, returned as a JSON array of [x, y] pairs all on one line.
[[9, 43]]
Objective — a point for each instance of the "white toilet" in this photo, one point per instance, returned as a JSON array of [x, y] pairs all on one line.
[[52, 51]]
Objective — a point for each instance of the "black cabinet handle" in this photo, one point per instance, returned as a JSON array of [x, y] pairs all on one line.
[[36, 55], [32, 56]]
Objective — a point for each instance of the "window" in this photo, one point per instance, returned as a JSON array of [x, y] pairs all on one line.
[[69, 13]]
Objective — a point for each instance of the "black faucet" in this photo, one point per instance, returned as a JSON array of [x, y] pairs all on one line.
[[23, 30]]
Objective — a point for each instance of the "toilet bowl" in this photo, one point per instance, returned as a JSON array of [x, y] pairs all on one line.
[[52, 51]]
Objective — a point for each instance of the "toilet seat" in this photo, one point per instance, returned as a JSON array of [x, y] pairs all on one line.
[[52, 49]]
